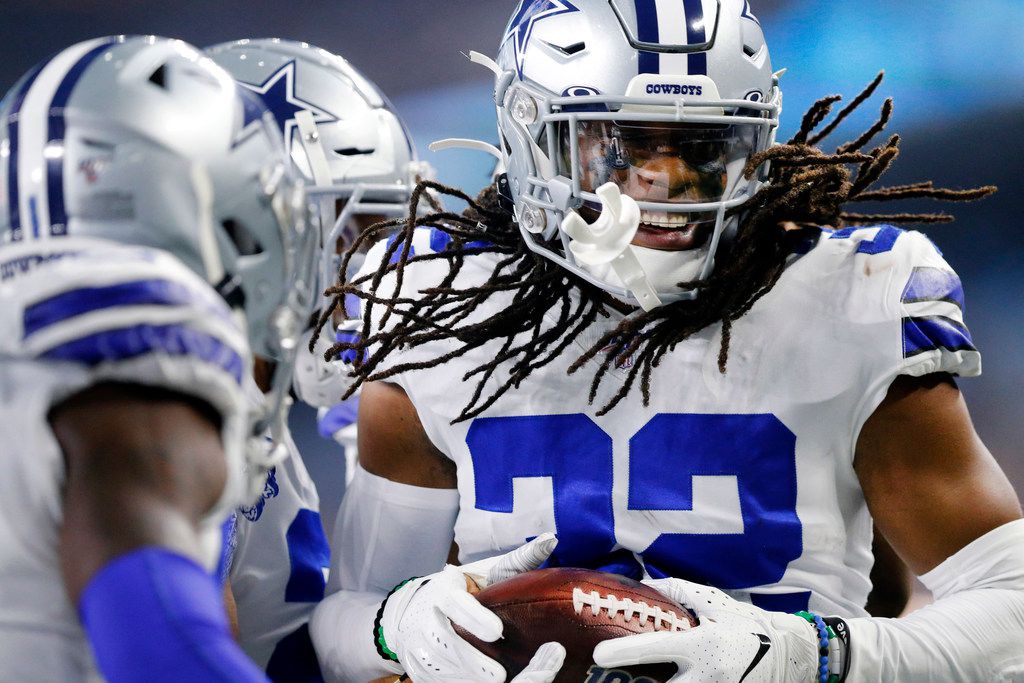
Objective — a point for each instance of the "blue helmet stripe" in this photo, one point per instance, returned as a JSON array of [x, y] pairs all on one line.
[[13, 203], [132, 342], [697, 62], [647, 32], [76, 302], [55, 137]]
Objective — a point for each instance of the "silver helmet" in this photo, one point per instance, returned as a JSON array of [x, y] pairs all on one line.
[[340, 130], [144, 140], [667, 100]]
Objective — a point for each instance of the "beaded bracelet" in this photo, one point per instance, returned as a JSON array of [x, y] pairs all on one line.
[[824, 634], [378, 630]]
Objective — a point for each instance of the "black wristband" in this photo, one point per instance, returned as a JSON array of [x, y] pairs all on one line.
[[842, 631]]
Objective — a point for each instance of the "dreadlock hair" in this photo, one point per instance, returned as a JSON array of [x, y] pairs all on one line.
[[806, 187]]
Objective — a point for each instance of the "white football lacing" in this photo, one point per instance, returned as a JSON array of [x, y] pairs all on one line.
[[630, 609]]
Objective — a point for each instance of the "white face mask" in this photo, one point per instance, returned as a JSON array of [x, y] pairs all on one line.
[[317, 382]]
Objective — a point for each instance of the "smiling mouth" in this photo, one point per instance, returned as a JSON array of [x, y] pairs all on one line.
[[671, 231]]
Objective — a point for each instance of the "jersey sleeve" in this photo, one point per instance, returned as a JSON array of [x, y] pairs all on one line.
[[930, 300], [102, 312]]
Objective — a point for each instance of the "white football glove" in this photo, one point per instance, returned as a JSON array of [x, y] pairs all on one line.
[[734, 642], [417, 622]]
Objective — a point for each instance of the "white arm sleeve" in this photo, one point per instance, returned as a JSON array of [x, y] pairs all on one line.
[[385, 533], [973, 632]]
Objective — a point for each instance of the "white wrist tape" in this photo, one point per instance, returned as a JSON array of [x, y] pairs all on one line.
[[386, 532], [973, 632]]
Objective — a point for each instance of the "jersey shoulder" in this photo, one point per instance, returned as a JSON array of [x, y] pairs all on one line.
[[896, 282], [109, 312], [422, 274]]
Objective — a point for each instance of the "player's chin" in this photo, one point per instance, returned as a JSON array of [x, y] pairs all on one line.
[[682, 238]]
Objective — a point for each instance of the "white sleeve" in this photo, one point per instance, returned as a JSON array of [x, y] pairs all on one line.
[[385, 533], [973, 631]]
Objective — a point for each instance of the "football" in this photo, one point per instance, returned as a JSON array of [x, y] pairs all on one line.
[[578, 608]]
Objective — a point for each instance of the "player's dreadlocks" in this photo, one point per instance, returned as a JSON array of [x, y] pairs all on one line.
[[807, 187]]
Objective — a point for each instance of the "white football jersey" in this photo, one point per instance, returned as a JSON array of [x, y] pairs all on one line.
[[278, 569], [742, 480], [76, 312]]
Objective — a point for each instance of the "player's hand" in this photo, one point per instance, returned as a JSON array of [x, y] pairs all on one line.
[[544, 666], [416, 622], [734, 641]]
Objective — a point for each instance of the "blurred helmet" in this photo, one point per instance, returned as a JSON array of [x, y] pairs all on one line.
[[666, 99], [339, 129], [144, 140]]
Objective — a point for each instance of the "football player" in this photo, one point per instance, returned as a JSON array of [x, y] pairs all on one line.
[[642, 340], [151, 223], [344, 138], [348, 142]]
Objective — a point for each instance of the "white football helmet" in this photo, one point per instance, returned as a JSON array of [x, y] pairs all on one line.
[[144, 140], [340, 130], [667, 99], [346, 139]]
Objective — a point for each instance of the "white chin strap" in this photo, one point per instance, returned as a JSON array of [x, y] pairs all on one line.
[[605, 243]]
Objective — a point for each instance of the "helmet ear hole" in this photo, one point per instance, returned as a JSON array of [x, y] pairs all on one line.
[[353, 151], [159, 77], [245, 242]]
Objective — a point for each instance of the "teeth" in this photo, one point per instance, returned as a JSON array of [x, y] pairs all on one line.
[[663, 219]]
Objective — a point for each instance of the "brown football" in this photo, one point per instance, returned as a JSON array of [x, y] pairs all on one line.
[[578, 608]]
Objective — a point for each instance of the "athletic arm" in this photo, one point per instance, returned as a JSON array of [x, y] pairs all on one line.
[[947, 509], [948, 512], [396, 521], [143, 467]]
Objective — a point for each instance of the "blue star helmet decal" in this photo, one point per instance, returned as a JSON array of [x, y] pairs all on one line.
[[252, 106], [278, 95], [529, 13]]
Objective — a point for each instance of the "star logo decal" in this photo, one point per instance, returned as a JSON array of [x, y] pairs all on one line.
[[526, 17], [278, 96]]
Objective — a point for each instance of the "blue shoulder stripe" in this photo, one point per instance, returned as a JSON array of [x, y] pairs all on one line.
[[439, 241], [131, 342], [76, 302], [930, 333], [934, 284], [398, 252]]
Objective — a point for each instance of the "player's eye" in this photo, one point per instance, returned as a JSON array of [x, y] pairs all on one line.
[[702, 153]]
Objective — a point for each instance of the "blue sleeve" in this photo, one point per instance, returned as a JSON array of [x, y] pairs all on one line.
[[157, 616]]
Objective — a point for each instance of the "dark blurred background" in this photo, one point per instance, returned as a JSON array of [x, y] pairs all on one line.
[[955, 68]]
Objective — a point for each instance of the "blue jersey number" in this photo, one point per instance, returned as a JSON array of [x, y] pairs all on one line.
[[723, 487]]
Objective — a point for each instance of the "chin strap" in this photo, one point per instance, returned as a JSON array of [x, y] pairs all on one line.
[[606, 241]]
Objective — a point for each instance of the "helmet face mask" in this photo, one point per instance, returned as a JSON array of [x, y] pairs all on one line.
[[672, 125]]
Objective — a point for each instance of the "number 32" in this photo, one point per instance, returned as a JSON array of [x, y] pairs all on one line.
[[711, 498]]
